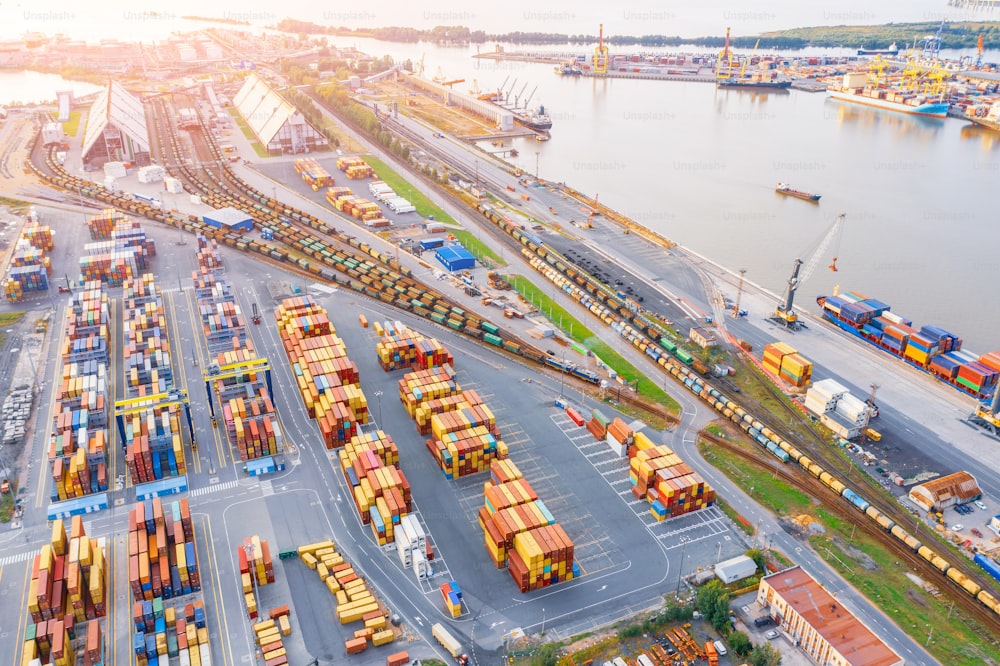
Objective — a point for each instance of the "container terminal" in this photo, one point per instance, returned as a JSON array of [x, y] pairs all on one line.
[[212, 454]]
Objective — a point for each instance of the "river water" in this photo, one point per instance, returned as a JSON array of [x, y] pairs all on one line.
[[699, 165]]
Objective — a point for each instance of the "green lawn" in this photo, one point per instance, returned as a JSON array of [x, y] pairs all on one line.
[[869, 567], [6, 319], [580, 333], [248, 133], [478, 248], [72, 125], [425, 207]]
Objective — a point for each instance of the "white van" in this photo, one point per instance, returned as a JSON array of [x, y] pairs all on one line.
[[720, 648]]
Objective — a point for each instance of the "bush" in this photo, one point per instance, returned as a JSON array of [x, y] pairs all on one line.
[[713, 602], [739, 643]]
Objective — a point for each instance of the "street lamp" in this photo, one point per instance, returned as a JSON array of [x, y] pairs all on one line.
[[536, 164], [378, 399], [543, 622], [562, 374], [680, 568]]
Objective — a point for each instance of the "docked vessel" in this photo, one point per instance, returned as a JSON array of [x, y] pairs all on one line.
[[568, 69], [536, 119], [892, 50], [759, 81], [859, 88], [930, 349], [987, 115], [787, 190]]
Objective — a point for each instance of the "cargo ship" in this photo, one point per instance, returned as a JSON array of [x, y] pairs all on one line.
[[892, 50], [783, 188], [985, 115], [535, 120], [855, 89], [757, 81], [568, 69], [930, 349]]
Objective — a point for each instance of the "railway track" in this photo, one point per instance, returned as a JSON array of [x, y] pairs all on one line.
[[815, 488]]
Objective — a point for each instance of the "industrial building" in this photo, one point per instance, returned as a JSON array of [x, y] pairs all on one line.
[[702, 337], [275, 122], [455, 258], [52, 133], [64, 99], [946, 491], [735, 569], [504, 120], [116, 129], [229, 218], [818, 624]]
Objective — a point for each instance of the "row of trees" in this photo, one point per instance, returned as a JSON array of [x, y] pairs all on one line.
[[954, 35]]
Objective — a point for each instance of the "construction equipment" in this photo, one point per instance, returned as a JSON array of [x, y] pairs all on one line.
[[986, 415], [736, 312], [724, 65], [255, 317], [785, 313], [601, 54]]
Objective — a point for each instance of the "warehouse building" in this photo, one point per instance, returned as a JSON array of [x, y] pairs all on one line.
[[502, 119], [818, 624], [946, 491], [275, 122], [735, 569], [702, 337], [116, 129], [229, 218], [455, 258]]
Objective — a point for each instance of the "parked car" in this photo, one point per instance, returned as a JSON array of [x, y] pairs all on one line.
[[980, 504], [957, 527], [771, 635], [976, 532]]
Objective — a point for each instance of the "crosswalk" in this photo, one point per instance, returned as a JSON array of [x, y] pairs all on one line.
[[15, 558], [213, 488]]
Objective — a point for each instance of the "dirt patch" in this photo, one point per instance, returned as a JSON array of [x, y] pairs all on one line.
[[916, 599], [857, 555]]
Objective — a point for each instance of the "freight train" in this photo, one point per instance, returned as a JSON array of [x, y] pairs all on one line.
[[598, 299]]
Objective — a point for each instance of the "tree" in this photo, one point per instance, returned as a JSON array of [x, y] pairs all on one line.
[[765, 654], [713, 602], [739, 643], [757, 556], [547, 655]]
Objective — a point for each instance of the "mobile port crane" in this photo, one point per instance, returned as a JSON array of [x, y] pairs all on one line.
[[785, 313]]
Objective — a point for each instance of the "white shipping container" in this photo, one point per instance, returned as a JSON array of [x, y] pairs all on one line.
[[206, 654], [406, 533], [173, 185], [195, 199], [616, 447], [893, 317], [185, 658], [116, 169], [109, 184], [420, 566], [817, 406], [403, 550], [418, 529]]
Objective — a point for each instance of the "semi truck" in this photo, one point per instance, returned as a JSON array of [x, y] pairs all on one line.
[[450, 643]]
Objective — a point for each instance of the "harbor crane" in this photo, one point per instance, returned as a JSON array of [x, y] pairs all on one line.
[[785, 313], [930, 47], [724, 67], [986, 415], [601, 54]]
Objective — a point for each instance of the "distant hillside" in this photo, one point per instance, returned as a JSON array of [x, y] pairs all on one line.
[[953, 36]]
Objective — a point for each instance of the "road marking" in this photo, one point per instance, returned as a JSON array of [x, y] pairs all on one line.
[[214, 488], [14, 559]]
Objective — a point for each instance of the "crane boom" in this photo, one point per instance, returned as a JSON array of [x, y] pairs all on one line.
[[785, 313]]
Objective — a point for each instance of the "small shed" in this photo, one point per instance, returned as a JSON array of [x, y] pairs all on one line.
[[229, 218], [455, 258], [431, 243], [994, 524], [735, 569], [703, 337], [52, 133], [946, 491]]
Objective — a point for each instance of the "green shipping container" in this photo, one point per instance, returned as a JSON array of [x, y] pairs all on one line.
[[668, 345], [492, 339], [683, 356], [490, 328], [600, 417], [969, 385], [455, 324], [438, 317]]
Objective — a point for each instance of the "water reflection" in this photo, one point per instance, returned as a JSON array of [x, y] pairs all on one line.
[[901, 123], [990, 138]]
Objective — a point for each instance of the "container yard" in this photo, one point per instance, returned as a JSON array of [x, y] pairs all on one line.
[[328, 380], [29, 267], [313, 174], [659, 476], [67, 597], [401, 348], [931, 349], [239, 379], [163, 574], [355, 601], [77, 453], [381, 492], [123, 255]]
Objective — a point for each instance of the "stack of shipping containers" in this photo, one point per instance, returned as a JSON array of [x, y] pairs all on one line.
[[118, 255], [78, 447], [154, 447], [659, 476], [256, 570], [163, 566], [355, 168], [328, 380], [314, 175], [403, 348], [247, 410], [355, 602], [66, 596], [30, 268], [520, 532], [380, 490], [782, 360]]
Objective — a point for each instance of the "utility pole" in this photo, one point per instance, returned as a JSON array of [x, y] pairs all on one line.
[[536, 164], [868, 412], [739, 294]]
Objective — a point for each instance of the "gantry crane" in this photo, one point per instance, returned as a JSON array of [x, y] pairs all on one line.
[[601, 54], [230, 370], [168, 399], [930, 47], [724, 67], [785, 313], [987, 414]]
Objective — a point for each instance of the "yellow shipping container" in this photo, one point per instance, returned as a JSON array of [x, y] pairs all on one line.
[[341, 598], [286, 626], [331, 584], [274, 654], [355, 614], [383, 637], [375, 623], [312, 548], [203, 636], [263, 626], [309, 560]]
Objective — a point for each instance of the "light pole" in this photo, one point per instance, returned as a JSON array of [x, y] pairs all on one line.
[[718, 552], [680, 568], [537, 153], [562, 374], [543, 622], [378, 399]]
